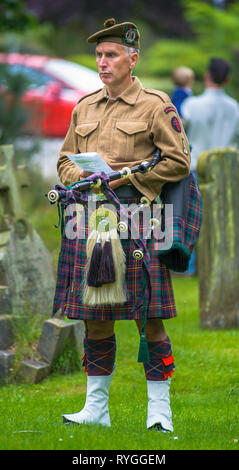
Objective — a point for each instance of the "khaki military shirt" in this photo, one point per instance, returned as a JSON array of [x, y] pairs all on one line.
[[125, 132]]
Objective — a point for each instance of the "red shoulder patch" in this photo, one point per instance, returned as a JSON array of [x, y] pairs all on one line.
[[169, 109], [175, 124]]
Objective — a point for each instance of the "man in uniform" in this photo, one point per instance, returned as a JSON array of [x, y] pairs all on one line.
[[125, 124]]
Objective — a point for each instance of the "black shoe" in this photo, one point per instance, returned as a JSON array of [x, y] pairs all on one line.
[[158, 427]]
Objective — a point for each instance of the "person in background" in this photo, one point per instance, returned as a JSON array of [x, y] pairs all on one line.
[[211, 120], [183, 79]]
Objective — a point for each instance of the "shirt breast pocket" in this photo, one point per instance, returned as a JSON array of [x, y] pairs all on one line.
[[87, 134], [130, 139]]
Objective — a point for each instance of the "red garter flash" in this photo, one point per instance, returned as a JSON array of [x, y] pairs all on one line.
[[167, 361]]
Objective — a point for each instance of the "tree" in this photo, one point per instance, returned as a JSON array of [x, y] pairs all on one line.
[[12, 115], [164, 18], [217, 33], [14, 17]]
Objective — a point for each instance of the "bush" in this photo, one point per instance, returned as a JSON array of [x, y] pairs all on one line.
[[87, 60], [167, 54], [13, 116]]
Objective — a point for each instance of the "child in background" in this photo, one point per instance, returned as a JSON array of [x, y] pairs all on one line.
[[183, 78]]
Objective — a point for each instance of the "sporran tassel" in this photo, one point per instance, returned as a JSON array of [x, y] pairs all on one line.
[[107, 269], [94, 254]]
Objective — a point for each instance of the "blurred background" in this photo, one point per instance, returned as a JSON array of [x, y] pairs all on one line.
[[46, 65], [174, 33]]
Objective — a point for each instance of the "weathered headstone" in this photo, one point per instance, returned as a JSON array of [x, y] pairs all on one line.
[[33, 371], [55, 334], [27, 282], [218, 253], [26, 273], [6, 332], [52, 341], [6, 361]]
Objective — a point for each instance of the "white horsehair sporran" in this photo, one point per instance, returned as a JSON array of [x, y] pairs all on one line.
[[105, 267]]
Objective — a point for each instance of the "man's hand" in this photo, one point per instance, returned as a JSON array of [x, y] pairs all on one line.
[[84, 174], [112, 184], [117, 183]]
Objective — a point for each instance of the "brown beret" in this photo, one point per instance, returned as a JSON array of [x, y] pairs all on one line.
[[126, 34]]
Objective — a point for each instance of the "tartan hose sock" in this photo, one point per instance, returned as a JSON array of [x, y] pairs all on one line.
[[161, 362], [99, 357]]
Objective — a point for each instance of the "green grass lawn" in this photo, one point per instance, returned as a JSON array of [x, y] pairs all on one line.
[[204, 394]]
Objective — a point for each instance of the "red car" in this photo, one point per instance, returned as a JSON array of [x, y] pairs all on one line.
[[55, 86]]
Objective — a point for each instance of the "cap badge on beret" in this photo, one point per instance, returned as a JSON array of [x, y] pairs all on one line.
[[130, 35], [125, 33]]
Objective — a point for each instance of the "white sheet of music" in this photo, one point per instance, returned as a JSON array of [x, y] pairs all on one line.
[[91, 162]]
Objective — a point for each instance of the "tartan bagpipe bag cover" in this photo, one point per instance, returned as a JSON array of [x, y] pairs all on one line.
[[184, 223]]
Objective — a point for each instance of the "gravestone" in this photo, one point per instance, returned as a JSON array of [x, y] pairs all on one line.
[[33, 371], [218, 253], [27, 281], [56, 335], [6, 361], [6, 332], [26, 273]]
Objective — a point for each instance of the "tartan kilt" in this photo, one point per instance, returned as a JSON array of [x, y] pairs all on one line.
[[71, 264]]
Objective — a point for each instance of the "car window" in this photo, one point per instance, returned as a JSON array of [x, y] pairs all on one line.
[[75, 75], [34, 78]]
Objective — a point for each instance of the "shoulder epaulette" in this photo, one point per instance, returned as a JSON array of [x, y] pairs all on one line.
[[89, 94], [161, 94]]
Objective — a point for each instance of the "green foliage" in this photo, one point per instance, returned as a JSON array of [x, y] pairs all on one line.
[[46, 39], [217, 33], [217, 30], [166, 54], [12, 115], [13, 16], [68, 361], [87, 60], [27, 330]]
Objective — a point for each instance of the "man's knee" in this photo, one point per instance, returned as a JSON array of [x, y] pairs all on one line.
[[154, 326], [154, 329], [99, 329]]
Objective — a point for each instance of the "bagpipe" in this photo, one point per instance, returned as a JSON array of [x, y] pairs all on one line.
[[104, 276], [105, 265], [184, 196]]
